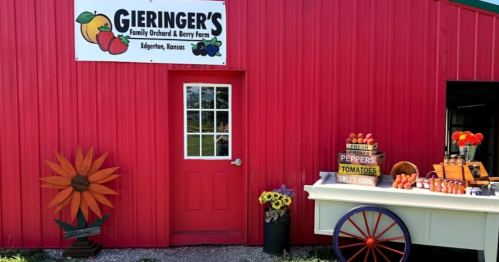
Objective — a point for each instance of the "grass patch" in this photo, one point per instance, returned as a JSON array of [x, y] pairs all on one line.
[[25, 255]]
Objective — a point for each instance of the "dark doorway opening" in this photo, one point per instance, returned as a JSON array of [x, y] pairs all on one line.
[[474, 107]]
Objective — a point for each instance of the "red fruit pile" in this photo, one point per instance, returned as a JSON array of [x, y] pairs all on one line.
[[108, 42], [404, 181], [360, 139]]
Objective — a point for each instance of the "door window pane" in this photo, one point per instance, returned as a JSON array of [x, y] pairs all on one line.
[[222, 98], [223, 122], [222, 145], [193, 145], [208, 145], [192, 97], [207, 122], [207, 94], [192, 121]]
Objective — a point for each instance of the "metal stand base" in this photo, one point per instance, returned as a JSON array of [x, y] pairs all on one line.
[[82, 249]]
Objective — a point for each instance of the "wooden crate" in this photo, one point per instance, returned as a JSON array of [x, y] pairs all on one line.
[[350, 169], [364, 180], [362, 146], [362, 152], [462, 173], [350, 158]]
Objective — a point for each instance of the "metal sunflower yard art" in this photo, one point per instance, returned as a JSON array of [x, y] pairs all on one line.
[[82, 187]]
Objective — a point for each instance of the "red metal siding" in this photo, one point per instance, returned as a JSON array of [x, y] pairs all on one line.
[[315, 71], [472, 44]]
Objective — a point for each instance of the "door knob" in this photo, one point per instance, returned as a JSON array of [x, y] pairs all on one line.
[[238, 162]]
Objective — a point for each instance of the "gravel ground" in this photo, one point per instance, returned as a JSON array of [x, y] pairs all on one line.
[[187, 253]]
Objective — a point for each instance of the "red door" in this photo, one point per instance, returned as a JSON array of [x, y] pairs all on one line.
[[208, 195]]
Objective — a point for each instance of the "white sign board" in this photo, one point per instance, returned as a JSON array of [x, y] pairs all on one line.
[[151, 31]]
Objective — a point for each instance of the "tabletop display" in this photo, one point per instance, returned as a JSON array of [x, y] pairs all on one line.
[[376, 217]]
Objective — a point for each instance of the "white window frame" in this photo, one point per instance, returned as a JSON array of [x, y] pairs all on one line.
[[200, 85]]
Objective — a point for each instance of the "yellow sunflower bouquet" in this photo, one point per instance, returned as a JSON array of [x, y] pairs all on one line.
[[278, 200]]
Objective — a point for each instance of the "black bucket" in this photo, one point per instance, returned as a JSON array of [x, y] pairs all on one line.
[[277, 235]]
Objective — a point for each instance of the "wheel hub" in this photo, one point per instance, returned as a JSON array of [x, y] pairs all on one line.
[[371, 242]]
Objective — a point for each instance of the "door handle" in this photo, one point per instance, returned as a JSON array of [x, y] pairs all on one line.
[[238, 162]]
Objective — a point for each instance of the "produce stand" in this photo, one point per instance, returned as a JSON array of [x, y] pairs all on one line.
[[365, 218]]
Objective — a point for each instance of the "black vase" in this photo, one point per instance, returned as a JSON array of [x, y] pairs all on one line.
[[277, 234]]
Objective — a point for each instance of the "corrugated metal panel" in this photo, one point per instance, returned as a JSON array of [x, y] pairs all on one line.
[[315, 71], [472, 42]]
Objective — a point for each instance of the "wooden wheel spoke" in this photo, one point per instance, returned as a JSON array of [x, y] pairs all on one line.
[[374, 255], [354, 236], [352, 245], [356, 254], [355, 225], [386, 229], [381, 253], [367, 254], [391, 249], [390, 239], [374, 235], [365, 222], [376, 225]]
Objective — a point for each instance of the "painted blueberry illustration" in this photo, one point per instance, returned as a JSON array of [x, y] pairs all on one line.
[[212, 49], [207, 47]]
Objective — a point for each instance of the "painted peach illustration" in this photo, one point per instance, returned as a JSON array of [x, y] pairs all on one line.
[[90, 24]]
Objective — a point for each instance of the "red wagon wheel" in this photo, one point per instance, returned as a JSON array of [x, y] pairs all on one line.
[[382, 237]]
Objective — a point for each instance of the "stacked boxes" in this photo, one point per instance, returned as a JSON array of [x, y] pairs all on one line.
[[360, 165]]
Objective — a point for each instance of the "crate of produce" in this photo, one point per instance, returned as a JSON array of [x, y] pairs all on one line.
[[356, 159]]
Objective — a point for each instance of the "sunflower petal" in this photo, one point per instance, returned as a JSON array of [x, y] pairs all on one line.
[[101, 198], [58, 169], [75, 204], [48, 185], [102, 189], [107, 179], [60, 197], [63, 203], [91, 203], [101, 174], [96, 164], [79, 160], [65, 164], [84, 208], [57, 180], [87, 162]]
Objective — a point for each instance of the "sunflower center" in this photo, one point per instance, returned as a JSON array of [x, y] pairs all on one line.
[[79, 183]]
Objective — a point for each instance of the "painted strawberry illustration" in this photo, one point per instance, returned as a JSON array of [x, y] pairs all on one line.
[[119, 45], [104, 37]]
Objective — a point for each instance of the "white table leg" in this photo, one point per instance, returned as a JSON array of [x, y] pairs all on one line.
[[491, 235]]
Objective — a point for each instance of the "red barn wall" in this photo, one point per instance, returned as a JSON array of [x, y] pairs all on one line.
[[316, 70]]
